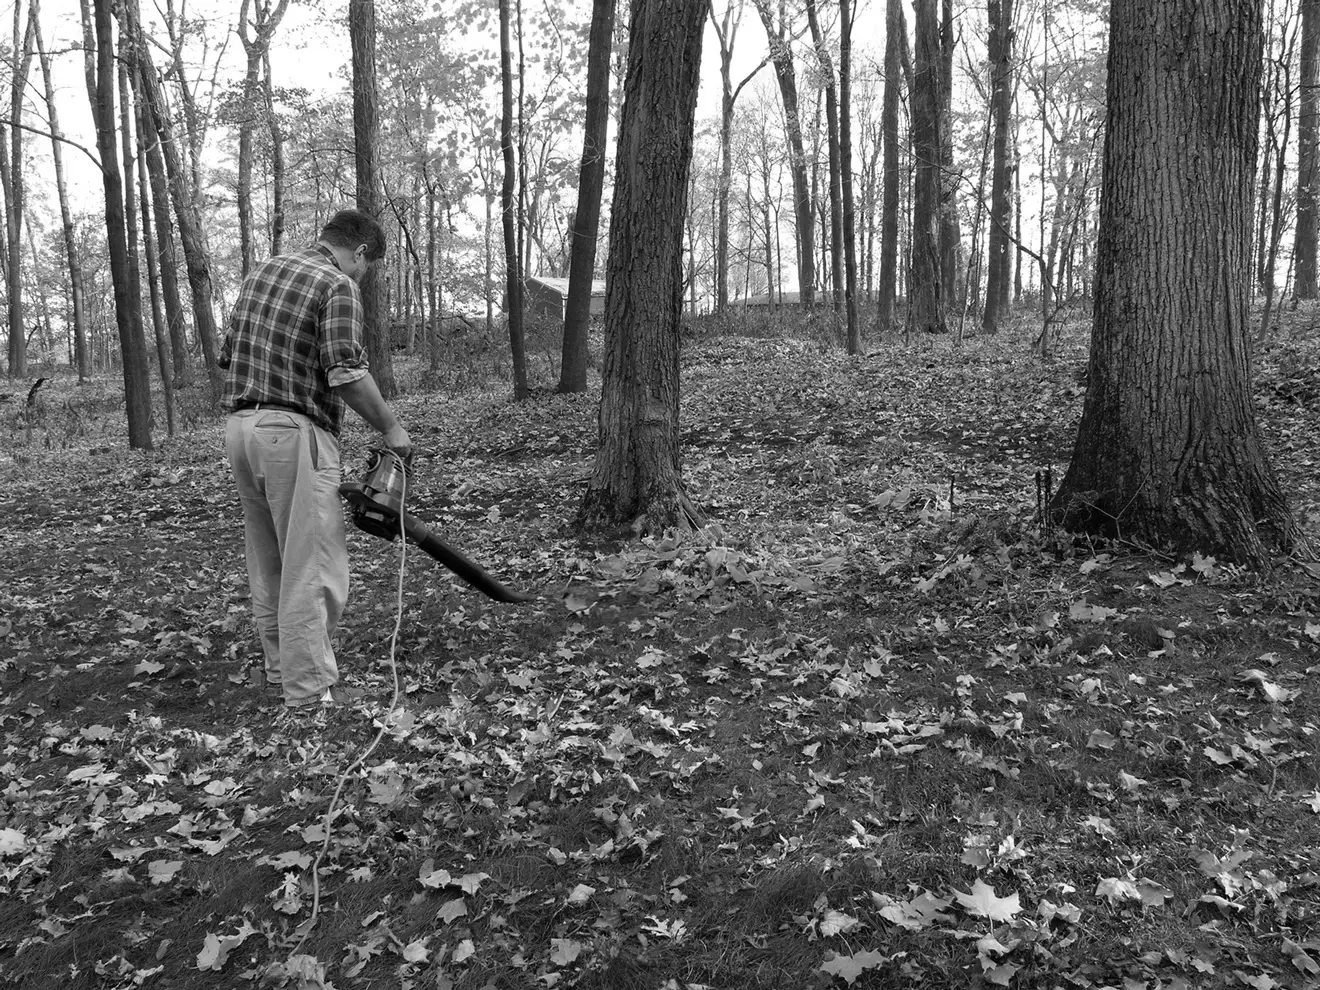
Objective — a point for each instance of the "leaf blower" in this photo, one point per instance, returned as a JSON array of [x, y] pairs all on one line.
[[376, 504]]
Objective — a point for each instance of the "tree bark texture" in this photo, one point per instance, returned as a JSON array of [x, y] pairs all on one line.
[[175, 320], [366, 138], [1308, 144], [832, 130], [846, 178], [1168, 450], [1000, 16], [591, 182], [82, 357], [154, 259], [192, 235], [927, 294], [137, 395], [887, 291], [20, 64], [513, 288], [804, 211], [950, 226], [255, 105], [637, 476]]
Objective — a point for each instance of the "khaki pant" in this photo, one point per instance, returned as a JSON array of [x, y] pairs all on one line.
[[287, 470]]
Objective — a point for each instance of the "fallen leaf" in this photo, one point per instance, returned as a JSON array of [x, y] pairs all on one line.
[[564, 950], [849, 968], [983, 902]]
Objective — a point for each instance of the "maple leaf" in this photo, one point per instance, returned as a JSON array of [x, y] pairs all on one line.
[[1153, 894], [849, 968], [1116, 890], [1302, 959], [12, 842], [216, 948], [564, 950], [836, 923], [983, 902], [915, 914], [451, 910], [415, 952], [1272, 691], [164, 870]]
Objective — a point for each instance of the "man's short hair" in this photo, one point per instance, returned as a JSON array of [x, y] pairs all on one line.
[[349, 228]]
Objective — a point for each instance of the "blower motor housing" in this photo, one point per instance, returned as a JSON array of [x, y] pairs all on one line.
[[377, 500]]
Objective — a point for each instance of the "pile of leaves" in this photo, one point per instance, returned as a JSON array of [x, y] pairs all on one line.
[[874, 726]]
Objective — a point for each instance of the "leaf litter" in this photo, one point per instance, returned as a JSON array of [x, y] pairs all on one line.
[[873, 726]]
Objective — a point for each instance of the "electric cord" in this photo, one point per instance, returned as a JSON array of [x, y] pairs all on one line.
[[327, 824]]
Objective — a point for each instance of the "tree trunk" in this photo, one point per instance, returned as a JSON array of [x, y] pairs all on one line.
[[137, 394], [895, 30], [1000, 13], [846, 178], [836, 188], [366, 139], [277, 167], [512, 262], [158, 321], [637, 476], [182, 369], [950, 226], [927, 293], [81, 356], [1308, 143], [192, 235], [804, 211], [586, 221], [20, 64], [255, 47], [1168, 451]]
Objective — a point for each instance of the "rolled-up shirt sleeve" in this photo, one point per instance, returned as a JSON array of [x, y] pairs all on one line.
[[343, 356]]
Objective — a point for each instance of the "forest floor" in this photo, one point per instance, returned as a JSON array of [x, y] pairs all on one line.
[[872, 727]]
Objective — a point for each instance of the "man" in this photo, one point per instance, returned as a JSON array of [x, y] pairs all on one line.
[[295, 358]]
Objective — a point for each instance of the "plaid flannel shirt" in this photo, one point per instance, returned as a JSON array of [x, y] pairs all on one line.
[[294, 335]]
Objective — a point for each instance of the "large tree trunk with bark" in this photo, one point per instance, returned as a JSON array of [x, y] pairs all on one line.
[[895, 32], [82, 357], [832, 129], [804, 211], [1000, 14], [168, 268], [586, 221], [366, 139], [12, 166], [192, 235], [513, 289], [846, 179], [153, 259], [137, 388], [1168, 451], [950, 226], [1308, 144], [637, 476], [927, 294]]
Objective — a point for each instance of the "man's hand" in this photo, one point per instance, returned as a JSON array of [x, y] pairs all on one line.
[[397, 439]]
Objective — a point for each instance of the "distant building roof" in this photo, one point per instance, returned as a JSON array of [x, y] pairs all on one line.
[[560, 285], [788, 297]]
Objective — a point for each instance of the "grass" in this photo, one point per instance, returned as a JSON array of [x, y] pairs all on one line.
[[780, 752]]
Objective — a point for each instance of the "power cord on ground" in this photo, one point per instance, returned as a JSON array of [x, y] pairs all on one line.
[[306, 927]]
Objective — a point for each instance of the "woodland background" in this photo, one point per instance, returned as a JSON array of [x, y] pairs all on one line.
[[874, 719]]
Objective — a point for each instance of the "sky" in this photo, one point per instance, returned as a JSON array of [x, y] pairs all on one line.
[[311, 50]]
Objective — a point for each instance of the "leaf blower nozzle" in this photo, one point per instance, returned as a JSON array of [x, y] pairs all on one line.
[[377, 508]]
